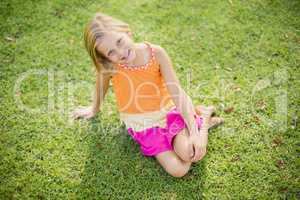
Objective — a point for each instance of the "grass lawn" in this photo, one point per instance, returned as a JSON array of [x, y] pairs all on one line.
[[242, 56]]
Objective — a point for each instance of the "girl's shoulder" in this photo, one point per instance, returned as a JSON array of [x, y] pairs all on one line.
[[157, 48], [158, 51]]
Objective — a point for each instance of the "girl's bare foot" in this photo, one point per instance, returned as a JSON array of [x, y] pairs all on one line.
[[207, 113], [215, 121]]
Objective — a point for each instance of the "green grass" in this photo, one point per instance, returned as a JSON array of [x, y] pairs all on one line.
[[240, 54]]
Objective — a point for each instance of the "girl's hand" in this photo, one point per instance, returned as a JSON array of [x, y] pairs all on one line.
[[199, 142], [199, 139], [84, 112]]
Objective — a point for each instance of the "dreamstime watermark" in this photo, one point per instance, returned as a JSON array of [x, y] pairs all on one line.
[[61, 97]]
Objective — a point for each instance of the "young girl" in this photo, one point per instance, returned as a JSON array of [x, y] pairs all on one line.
[[158, 114]]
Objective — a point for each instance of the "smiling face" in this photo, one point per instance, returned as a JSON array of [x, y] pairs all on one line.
[[117, 47]]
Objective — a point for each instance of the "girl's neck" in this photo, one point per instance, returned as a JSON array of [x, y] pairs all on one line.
[[141, 55]]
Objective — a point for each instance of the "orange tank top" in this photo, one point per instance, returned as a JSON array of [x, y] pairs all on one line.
[[140, 89]]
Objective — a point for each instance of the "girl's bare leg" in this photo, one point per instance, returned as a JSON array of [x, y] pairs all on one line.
[[182, 146], [177, 163], [181, 142], [172, 164]]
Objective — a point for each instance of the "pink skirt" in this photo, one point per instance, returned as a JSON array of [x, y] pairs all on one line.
[[157, 139]]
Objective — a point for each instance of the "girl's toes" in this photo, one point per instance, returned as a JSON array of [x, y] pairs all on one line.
[[215, 121]]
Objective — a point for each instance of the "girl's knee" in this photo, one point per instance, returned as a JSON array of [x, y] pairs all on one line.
[[179, 172], [184, 152], [182, 147], [177, 168]]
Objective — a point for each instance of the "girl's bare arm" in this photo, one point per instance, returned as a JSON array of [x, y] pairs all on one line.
[[101, 87], [181, 99]]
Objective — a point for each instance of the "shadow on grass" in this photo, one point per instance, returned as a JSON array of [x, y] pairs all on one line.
[[116, 169]]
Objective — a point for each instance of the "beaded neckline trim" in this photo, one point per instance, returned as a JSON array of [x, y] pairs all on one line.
[[141, 67]]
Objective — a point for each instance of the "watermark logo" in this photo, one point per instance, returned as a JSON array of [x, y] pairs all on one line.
[[61, 97]]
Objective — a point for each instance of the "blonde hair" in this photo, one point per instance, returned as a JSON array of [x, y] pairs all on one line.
[[94, 32]]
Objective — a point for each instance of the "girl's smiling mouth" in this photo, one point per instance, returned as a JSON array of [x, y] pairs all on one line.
[[129, 51], [128, 54]]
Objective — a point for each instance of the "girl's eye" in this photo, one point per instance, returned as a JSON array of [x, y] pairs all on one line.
[[120, 41], [111, 53]]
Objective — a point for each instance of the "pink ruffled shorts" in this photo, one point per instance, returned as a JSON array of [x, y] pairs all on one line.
[[157, 139]]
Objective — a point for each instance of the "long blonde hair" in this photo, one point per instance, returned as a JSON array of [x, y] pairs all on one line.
[[95, 30]]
